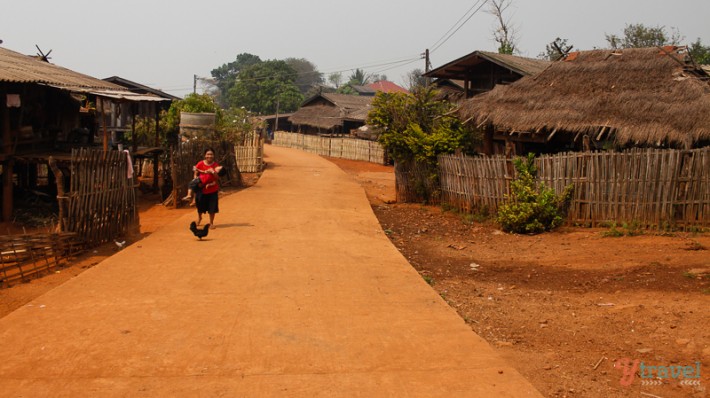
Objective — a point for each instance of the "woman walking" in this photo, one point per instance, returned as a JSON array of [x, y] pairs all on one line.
[[207, 199]]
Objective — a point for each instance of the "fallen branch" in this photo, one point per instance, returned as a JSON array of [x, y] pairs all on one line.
[[599, 362]]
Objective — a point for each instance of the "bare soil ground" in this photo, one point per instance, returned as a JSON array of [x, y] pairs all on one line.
[[561, 307]]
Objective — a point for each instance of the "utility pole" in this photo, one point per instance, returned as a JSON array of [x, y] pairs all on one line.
[[427, 65], [194, 84]]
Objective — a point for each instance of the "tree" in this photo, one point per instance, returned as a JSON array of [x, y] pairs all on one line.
[[700, 53], [225, 76], [504, 33], [416, 126], [639, 35], [556, 50], [359, 78], [307, 75], [335, 79], [415, 79], [195, 103], [263, 87]]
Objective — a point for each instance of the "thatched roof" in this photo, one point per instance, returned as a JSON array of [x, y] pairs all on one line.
[[328, 110], [20, 68], [644, 96]]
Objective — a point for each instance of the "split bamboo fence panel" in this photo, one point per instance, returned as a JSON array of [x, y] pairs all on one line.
[[23, 257], [250, 154], [337, 147], [654, 188], [102, 199], [186, 155]]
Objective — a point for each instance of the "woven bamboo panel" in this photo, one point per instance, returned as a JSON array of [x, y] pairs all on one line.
[[655, 188], [337, 147]]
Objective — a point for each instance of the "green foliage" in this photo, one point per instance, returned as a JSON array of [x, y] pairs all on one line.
[[700, 53], [417, 126], [627, 229], [225, 76], [262, 87], [639, 35], [556, 50], [532, 207], [307, 75], [194, 103]]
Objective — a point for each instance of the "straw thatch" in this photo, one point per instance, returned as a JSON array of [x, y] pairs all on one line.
[[328, 110], [645, 96]]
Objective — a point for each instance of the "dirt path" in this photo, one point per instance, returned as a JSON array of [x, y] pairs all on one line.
[[298, 292], [563, 307]]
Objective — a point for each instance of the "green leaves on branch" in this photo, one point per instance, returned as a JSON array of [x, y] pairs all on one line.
[[532, 207], [417, 126]]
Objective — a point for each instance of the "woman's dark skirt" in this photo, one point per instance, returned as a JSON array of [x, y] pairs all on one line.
[[207, 203]]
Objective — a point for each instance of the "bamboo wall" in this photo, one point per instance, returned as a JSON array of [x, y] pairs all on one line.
[[101, 201], [657, 188], [250, 154], [337, 147], [186, 155]]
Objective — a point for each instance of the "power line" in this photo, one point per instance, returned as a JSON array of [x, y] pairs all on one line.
[[439, 42]]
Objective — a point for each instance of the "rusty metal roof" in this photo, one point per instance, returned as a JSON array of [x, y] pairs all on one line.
[[20, 68]]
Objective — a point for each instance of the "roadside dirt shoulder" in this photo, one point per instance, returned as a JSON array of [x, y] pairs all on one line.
[[562, 307]]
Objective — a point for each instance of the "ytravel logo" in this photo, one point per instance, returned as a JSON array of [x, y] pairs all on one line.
[[688, 375]]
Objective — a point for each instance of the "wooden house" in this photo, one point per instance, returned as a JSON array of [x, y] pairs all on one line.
[[333, 114], [46, 110], [480, 71], [653, 97]]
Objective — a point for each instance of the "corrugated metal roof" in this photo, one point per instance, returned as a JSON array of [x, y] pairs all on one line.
[[20, 68], [387, 87]]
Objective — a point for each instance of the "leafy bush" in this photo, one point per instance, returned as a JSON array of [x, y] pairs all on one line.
[[532, 208]]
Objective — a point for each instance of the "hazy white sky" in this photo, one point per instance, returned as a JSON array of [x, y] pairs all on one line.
[[163, 43]]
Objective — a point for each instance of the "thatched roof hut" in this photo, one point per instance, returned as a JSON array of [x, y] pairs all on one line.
[[639, 96], [332, 113]]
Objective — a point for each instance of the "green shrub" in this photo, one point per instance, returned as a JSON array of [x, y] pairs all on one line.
[[532, 207]]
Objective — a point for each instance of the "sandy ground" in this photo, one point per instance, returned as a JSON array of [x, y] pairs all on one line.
[[563, 307]]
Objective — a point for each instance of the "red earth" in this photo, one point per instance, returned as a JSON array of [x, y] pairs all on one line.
[[563, 307]]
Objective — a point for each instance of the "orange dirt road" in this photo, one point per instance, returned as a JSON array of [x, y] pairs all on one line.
[[297, 293]]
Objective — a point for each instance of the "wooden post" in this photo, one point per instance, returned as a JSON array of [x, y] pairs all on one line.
[[488, 140], [103, 122], [61, 195], [8, 164]]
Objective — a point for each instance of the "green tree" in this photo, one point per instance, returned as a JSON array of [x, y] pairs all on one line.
[[335, 79], [307, 75], [700, 53], [195, 103], [416, 126], [504, 33], [556, 50], [359, 78], [415, 80], [532, 207], [261, 87], [639, 35], [225, 76]]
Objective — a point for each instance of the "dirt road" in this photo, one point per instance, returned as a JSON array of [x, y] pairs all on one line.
[[298, 292]]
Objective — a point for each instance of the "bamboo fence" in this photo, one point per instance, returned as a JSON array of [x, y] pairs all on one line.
[[101, 201], [184, 156], [655, 188], [26, 256], [337, 147], [250, 154]]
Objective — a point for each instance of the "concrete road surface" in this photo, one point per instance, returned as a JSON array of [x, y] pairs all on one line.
[[296, 293]]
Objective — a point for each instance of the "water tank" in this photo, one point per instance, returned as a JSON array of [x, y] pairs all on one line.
[[197, 124]]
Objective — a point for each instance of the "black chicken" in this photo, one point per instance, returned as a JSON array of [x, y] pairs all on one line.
[[200, 233]]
